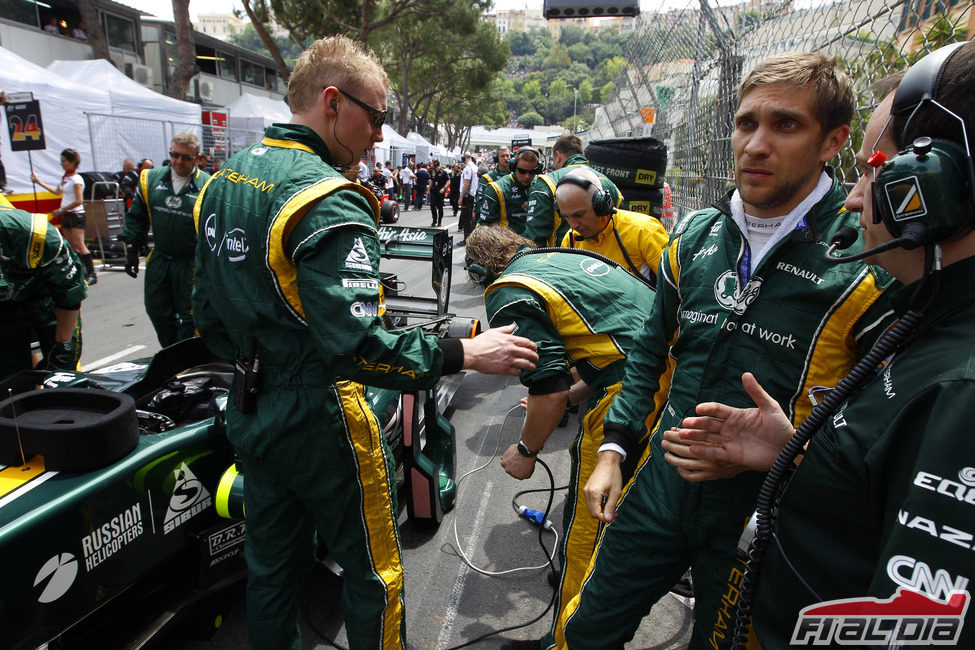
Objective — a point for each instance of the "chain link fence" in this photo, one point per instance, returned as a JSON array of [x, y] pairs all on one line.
[[115, 138], [687, 64]]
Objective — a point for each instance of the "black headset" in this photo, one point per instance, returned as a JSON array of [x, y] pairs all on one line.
[[602, 200], [539, 166], [930, 182], [479, 274]]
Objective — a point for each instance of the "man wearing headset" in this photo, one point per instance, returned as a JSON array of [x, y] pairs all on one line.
[[632, 240], [545, 225], [287, 283], [880, 508], [164, 201], [505, 200], [740, 284], [580, 311]]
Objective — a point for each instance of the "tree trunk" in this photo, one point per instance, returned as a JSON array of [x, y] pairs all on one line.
[[186, 67], [96, 33], [269, 43]]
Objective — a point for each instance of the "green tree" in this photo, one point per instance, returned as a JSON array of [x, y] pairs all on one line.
[[585, 92], [558, 57], [580, 52], [521, 43], [531, 89], [572, 35], [530, 120]]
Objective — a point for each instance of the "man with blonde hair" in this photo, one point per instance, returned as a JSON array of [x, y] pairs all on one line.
[[163, 200], [288, 283], [741, 286]]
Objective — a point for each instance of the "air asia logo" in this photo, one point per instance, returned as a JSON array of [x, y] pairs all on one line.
[[189, 499], [358, 258], [173, 202], [906, 618], [57, 575], [905, 198], [733, 298], [595, 268]]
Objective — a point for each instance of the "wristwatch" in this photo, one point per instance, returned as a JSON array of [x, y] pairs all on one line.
[[525, 451]]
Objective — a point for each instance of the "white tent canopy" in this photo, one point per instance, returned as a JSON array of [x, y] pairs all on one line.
[[397, 141], [63, 105], [256, 113], [250, 114], [137, 127]]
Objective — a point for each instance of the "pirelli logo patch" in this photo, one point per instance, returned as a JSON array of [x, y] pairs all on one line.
[[905, 199]]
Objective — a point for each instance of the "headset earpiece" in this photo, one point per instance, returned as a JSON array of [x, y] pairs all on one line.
[[931, 181], [602, 200], [926, 183], [480, 275]]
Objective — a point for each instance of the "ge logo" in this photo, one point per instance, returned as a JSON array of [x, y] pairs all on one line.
[[595, 268], [210, 231], [733, 298], [173, 202]]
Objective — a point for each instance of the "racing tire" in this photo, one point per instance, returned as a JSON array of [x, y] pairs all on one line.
[[389, 211], [75, 429], [647, 201], [634, 163]]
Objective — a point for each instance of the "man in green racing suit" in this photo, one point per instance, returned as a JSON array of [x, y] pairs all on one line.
[[741, 286], [287, 283], [582, 313]]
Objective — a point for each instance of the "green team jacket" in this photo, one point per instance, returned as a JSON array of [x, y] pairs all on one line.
[[578, 310], [170, 215], [36, 262], [288, 259], [544, 224], [503, 201], [797, 323], [892, 476]]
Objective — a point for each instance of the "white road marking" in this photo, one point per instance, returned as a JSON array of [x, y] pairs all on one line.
[[458, 591], [104, 361]]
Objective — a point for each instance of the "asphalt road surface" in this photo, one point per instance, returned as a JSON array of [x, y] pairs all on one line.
[[447, 603]]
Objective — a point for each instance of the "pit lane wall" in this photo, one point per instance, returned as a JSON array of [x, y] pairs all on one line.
[[687, 62]]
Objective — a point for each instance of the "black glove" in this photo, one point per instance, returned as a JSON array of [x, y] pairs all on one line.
[[132, 260], [61, 356]]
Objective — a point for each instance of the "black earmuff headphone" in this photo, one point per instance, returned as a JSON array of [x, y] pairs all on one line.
[[929, 187], [539, 166], [602, 201], [479, 274]]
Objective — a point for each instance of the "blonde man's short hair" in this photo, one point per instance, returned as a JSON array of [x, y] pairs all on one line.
[[187, 139], [333, 61], [833, 95]]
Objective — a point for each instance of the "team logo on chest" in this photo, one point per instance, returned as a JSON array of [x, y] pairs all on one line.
[[173, 202], [731, 296]]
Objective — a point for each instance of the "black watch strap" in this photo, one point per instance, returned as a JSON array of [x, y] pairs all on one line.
[[525, 451]]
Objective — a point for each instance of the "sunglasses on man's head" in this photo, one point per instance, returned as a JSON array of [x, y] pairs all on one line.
[[378, 116], [185, 157]]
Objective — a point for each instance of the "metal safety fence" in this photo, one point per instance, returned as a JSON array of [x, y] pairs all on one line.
[[687, 63], [115, 138]]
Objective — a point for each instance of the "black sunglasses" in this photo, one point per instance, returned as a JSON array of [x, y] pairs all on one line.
[[185, 157], [531, 171], [378, 116]]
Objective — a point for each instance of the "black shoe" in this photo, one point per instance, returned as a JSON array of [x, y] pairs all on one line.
[[91, 279], [684, 587]]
